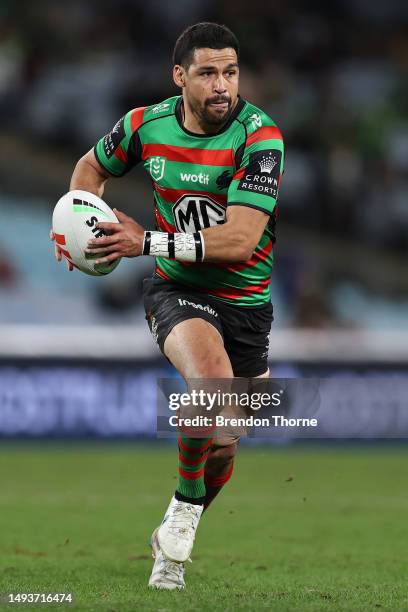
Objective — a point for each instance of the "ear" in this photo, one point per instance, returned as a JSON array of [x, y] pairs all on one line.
[[179, 75]]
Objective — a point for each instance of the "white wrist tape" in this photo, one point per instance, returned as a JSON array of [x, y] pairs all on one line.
[[179, 246]]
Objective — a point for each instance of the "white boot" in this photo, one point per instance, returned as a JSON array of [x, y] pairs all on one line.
[[177, 532], [166, 574]]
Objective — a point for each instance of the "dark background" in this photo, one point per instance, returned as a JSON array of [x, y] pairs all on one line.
[[332, 75]]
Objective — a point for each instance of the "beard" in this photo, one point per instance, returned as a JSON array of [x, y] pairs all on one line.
[[211, 116]]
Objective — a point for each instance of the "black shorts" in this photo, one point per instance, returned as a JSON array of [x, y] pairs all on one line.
[[245, 330]]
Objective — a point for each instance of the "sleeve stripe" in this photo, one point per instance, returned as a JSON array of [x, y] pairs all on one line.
[[264, 133], [136, 118], [121, 155], [100, 162]]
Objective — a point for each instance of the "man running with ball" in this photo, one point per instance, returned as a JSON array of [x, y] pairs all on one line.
[[215, 161]]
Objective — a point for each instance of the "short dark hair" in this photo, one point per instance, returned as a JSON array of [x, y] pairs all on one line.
[[200, 35]]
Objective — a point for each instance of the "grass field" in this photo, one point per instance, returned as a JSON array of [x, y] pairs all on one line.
[[296, 529]]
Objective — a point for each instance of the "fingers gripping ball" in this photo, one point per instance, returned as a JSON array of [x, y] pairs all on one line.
[[74, 222]]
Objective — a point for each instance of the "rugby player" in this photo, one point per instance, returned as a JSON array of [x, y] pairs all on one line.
[[215, 161]]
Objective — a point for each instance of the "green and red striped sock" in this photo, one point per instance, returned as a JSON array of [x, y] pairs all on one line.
[[193, 453], [214, 484]]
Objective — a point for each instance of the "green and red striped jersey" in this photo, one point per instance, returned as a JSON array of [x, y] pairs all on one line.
[[195, 177]]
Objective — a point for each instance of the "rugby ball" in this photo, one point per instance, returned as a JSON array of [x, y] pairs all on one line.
[[74, 223]]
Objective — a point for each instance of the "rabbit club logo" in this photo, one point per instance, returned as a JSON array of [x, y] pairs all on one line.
[[262, 173]]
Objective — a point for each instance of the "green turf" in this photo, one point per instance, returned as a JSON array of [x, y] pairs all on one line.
[[296, 529]]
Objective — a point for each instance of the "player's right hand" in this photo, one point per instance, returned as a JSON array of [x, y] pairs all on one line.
[[58, 254]]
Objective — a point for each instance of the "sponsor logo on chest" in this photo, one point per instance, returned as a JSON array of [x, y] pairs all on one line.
[[157, 168], [193, 213], [201, 178]]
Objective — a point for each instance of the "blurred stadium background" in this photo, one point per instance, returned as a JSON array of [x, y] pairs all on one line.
[[76, 357]]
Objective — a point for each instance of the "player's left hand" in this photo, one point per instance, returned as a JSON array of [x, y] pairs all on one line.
[[125, 239]]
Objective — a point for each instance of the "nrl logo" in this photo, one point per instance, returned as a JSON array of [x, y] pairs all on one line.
[[267, 163], [156, 167], [256, 121]]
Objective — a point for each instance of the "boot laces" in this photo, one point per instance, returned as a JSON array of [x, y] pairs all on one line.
[[183, 520]]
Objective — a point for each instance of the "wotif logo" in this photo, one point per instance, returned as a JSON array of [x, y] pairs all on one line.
[[202, 179]]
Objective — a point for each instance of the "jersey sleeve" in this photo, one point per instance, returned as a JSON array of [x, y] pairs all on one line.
[[257, 178], [120, 149]]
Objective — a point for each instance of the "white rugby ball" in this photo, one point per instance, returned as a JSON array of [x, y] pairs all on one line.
[[74, 223]]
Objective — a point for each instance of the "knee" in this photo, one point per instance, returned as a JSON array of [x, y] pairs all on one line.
[[213, 366]]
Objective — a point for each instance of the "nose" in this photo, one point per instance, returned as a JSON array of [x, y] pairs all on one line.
[[219, 84]]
